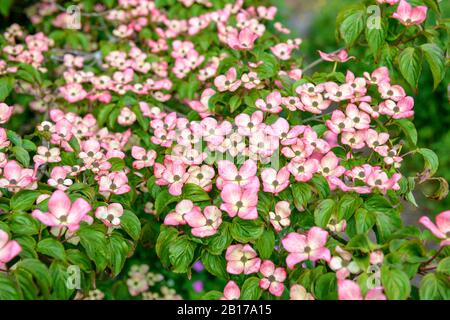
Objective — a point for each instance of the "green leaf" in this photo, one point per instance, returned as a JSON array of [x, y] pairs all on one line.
[[212, 295], [51, 248], [58, 272], [76, 257], [325, 287], [23, 200], [376, 37], [347, 206], [321, 185], [444, 266], [301, 193], [409, 62], [265, 244], [431, 160], [28, 145], [8, 288], [6, 86], [163, 199], [323, 212], [40, 273], [28, 245], [143, 121], [269, 67], [181, 254], [167, 235], [5, 7], [118, 252], [429, 287], [436, 60], [195, 193], [235, 103], [14, 138], [22, 156], [103, 114], [245, 231], [131, 224], [216, 265], [94, 242], [221, 240], [364, 220], [117, 164], [360, 242], [24, 224], [409, 129], [352, 26], [250, 289], [396, 283]]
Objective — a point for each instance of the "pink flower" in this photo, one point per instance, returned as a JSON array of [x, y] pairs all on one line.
[[273, 181], [298, 151], [114, 182], [354, 139], [206, 224], [228, 173], [378, 76], [408, 15], [9, 249], [350, 290], [242, 259], [280, 218], [110, 215], [201, 176], [306, 247], [329, 165], [46, 155], [172, 173], [58, 178], [341, 56], [299, 292], [272, 103], [240, 201], [339, 122], [227, 82], [231, 291], [143, 158], [343, 264], [377, 141], [4, 142], [5, 112], [442, 227], [282, 130], [376, 257], [273, 278], [126, 117], [178, 216], [379, 179], [303, 170], [249, 124], [73, 92], [243, 40], [63, 213], [391, 92], [399, 110], [359, 120], [16, 178], [282, 51]]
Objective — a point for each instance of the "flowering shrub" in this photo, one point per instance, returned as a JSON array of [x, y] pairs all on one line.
[[192, 127]]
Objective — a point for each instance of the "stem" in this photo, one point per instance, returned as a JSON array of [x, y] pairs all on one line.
[[423, 266]]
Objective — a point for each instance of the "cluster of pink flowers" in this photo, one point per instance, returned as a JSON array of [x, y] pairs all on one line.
[[27, 49]]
